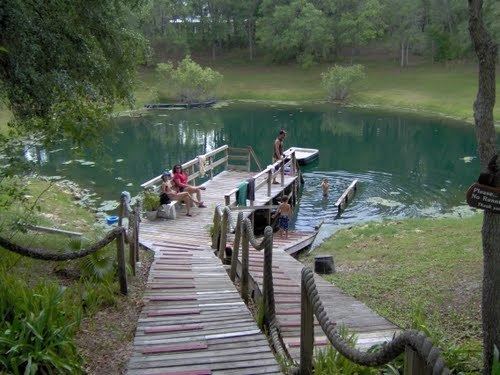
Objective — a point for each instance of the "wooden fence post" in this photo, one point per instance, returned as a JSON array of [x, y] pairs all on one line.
[[294, 163], [210, 162], [269, 181], [414, 365], [236, 247], [120, 257], [244, 264], [223, 235], [137, 215], [282, 172], [267, 276], [226, 155], [306, 331], [131, 241]]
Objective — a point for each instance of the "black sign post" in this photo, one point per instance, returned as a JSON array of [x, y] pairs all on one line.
[[484, 197]]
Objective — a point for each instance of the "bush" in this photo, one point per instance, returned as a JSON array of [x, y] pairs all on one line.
[[338, 80], [37, 327], [190, 81], [151, 201]]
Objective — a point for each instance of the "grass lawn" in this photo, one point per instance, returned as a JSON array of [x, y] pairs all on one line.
[[428, 88], [421, 273], [102, 321]]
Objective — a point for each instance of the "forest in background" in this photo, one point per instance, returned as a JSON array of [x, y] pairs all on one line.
[[311, 31]]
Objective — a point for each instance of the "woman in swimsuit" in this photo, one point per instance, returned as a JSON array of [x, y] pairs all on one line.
[[181, 180]]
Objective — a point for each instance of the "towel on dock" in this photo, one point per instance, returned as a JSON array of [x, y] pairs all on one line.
[[241, 194]]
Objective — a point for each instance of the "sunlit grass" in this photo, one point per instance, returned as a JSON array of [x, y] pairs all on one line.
[[433, 266]]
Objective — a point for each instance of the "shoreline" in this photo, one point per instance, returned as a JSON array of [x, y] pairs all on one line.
[[139, 111]]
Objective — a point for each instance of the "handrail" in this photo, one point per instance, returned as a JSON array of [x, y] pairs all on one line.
[[424, 357], [192, 163], [118, 234]]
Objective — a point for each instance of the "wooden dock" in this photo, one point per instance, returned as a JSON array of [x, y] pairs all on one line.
[[193, 321]]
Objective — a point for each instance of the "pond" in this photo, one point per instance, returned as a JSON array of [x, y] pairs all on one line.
[[407, 165]]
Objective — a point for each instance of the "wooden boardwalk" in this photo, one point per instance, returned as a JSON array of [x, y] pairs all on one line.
[[193, 320]]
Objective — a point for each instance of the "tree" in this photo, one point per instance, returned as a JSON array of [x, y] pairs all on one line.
[[190, 81], [338, 80], [487, 53], [294, 31], [66, 64]]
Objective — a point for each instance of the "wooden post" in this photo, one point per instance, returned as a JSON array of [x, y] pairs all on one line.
[[414, 365], [244, 264], [269, 213], [223, 235], [137, 213], [191, 172], [120, 257], [210, 162], [249, 160], [306, 332], [236, 246], [227, 199], [121, 211], [131, 242], [269, 181], [226, 155], [294, 163], [267, 276], [282, 172]]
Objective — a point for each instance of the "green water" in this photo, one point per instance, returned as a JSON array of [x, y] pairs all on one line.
[[407, 165]]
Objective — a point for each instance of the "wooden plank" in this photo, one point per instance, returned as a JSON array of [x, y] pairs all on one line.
[[174, 348], [172, 328], [174, 312], [39, 228], [346, 196]]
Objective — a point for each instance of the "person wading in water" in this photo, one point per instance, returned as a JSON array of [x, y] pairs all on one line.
[[278, 149]]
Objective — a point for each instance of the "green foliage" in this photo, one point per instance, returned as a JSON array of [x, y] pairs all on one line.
[[338, 80], [151, 201], [36, 329], [297, 30], [66, 64], [260, 315], [330, 361], [190, 81]]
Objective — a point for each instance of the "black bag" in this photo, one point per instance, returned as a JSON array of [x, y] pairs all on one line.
[[164, 199]]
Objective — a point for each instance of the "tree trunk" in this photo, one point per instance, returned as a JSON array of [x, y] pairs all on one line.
[[407, 49], [402, 54], [250, 38], [486, 51]]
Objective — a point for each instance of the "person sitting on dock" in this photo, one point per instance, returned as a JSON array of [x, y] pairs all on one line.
[[285, 212], [170, 191], [325, 186], [181, 181], [278, 149]]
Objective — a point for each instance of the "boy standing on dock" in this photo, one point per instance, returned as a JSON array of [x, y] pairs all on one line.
[[285, 212]]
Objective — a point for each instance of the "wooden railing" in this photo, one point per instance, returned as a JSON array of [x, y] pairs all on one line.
[[206, 164], [118, 234], [265, 178], [421, 356]]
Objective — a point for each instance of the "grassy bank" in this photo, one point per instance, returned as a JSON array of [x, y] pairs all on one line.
[[63, 317], [427, 88], [421, 273]]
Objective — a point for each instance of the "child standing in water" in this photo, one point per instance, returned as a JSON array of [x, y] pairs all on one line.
[[325, 185], [285, 212]]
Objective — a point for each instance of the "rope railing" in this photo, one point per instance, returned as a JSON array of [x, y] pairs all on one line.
[[422, 357], [118, 234]]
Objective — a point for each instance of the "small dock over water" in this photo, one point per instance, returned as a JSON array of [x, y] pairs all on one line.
[[194, 321]]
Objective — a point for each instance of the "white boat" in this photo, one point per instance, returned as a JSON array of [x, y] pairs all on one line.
[[304, 155]]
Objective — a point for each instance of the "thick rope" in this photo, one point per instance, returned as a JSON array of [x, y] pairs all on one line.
[[44, 255], [390, 350]]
